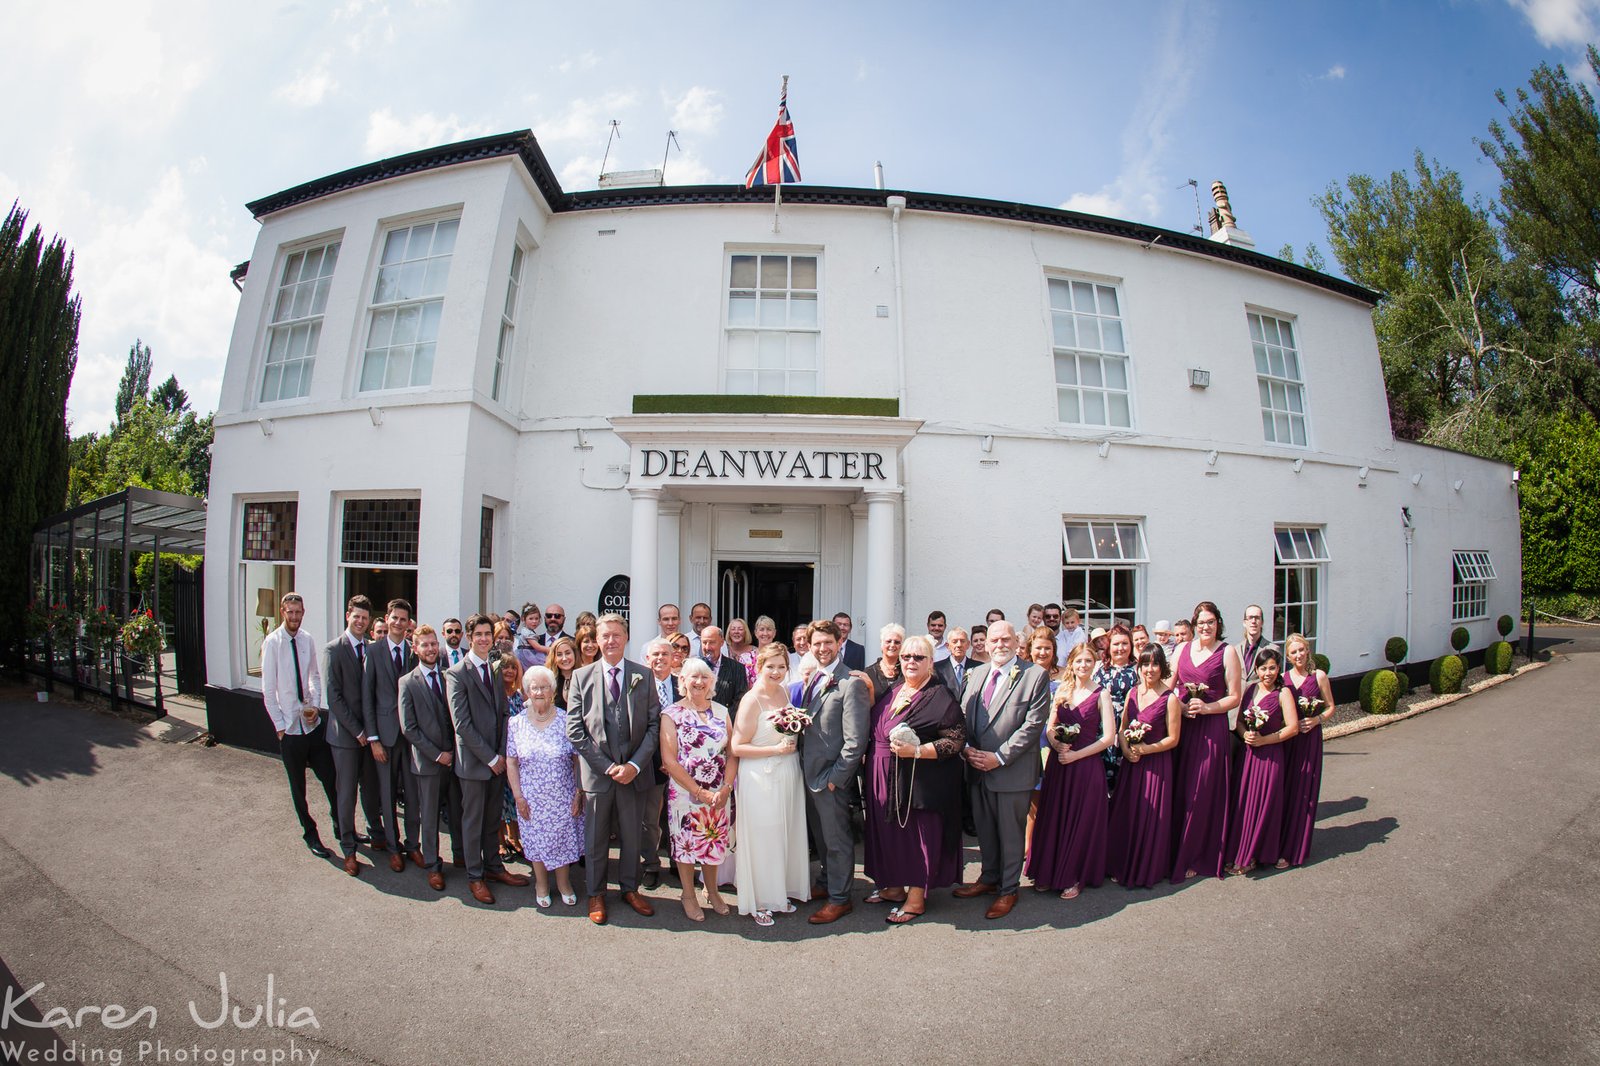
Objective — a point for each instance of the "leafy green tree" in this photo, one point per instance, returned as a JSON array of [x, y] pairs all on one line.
[[38, 353], [170, 396], [1560, 464], [135, 384]]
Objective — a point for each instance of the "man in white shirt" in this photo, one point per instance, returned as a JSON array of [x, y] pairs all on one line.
[[699, 618], [658, 659], [291, 687], [936, 626]]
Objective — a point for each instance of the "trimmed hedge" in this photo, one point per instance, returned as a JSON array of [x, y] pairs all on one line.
[[1322, 662], [1460, 638], [1394, 649], [1505, 624], [1445, 674], [1380, 691], [1497, 658], [720, 404]]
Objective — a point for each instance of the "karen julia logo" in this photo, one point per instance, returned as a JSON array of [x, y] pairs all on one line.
[[270, 1012]]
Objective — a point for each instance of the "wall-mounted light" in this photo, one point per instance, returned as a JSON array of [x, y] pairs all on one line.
[[1104, 449], [1516, 478], [583, 438], [1299, 465], [1362, 473], [376, 414], [1199, 379], [986, 443], [1416, 479], [1211, 457], [266, 426], [1457, 484]]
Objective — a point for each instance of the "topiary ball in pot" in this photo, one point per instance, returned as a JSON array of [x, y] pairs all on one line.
[[1394, 649], [1460, 638], [1497, 658], [1322, 662], [1382, 692]]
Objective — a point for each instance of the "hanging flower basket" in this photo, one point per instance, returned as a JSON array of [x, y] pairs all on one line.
[[141, 637]]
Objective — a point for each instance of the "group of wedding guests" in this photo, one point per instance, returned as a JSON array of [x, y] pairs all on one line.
[[579, 750]]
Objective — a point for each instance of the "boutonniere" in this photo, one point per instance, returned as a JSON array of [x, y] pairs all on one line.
[[1014, 672], [633, 682], [822, 686]]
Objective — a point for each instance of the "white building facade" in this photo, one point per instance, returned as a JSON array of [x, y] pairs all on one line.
[[451, 380]]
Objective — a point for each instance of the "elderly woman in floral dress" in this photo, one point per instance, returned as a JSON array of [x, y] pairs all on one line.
[[694, 753]]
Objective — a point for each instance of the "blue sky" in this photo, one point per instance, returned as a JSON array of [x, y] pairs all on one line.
[[145, 126]]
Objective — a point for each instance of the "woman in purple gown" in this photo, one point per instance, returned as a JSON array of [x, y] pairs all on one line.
[[1069, 836], [912, 825], [1138, 852], [1255, 830], [1206, 679], [1302, 776]]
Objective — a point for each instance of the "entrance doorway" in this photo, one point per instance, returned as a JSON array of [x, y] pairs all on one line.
[[785, 591]]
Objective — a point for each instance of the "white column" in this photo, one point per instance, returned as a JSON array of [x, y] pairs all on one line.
[[642, 567], [669, 564], [880, 563]]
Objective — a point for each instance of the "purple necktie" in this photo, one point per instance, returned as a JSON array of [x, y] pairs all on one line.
[[616, 686], [484, 668], [361, 655], [988, 690], [433, 680], [397, 666], [811, 688]]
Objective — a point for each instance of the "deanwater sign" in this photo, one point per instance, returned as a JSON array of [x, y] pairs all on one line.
[[614, 597]]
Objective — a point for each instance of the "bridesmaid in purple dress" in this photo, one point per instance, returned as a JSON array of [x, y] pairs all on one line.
[[1137, 854], [1207, 679], [1302, 782], [1069, 837], [1255, 832]]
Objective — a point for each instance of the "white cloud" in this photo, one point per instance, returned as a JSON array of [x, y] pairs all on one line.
[[308, 87], [388, 134], [1140, 183], [698, 112], [861, 70], [586, 61], [1334, 73], [1561, 23], [584, 120]]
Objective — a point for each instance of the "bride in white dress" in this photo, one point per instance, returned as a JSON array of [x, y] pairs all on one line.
[[770, 813]]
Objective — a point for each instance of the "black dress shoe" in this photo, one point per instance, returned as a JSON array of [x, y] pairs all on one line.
[[362, 838], [651, 878], [315, 847]]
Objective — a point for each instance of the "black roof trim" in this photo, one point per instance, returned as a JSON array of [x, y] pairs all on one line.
[[522, 144]]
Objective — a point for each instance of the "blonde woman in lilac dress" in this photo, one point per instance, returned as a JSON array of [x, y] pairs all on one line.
[[694, 754]]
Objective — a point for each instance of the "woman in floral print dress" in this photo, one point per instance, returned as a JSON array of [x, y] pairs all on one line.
[[694, 753]]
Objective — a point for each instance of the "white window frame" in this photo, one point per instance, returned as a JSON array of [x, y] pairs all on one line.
[[338, 572], [1299, 554], [742, 370], [1091, 367], [1471, 570], [1285, 378], [426, 301], [1106, 550], [305, 327], [248, 618], [506, 341], [486, 573]]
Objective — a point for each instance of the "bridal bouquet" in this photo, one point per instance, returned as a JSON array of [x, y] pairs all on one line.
[[1255, 717], [1310, 705], [1065, 733], [790, 721], [1136, 731], [1195, 690]]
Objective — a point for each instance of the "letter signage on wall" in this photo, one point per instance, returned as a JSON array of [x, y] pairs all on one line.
[[614, 597], [822, 467]]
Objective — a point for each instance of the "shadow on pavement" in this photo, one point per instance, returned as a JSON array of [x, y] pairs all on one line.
[[50, 741], [1333, 808], [1332, 841]]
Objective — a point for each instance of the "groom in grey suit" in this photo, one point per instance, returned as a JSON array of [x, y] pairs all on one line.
[[1006, 702], [431, 739], [389, 660], [344, 661], [613, 714], [830, 755], [478, 714]]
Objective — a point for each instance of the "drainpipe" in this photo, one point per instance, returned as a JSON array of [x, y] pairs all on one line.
[[897, 204], [1410, 534]]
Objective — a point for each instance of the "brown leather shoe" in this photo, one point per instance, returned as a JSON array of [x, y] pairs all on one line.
[[1002, 906], [397, 862], [830, 912], [416, 859], [352, 866], [460, 864], [506, 877], [436, 880], [480, 892], [977, 888], [818, 892], [640, 905], [597, 910]]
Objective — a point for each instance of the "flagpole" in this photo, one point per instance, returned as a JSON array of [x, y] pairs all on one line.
[[777, 188]]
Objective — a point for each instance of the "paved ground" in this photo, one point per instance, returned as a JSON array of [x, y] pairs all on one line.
[[1448, 916]]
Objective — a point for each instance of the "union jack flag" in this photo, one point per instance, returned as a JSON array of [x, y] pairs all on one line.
[[779, 161]]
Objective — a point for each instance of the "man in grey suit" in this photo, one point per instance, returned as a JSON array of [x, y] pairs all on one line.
[[732, 683], [478, 713], [388, 661], [1006, 703], [613, 715], [952, 672], [345, 661], [830, 754], [431, 741]]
